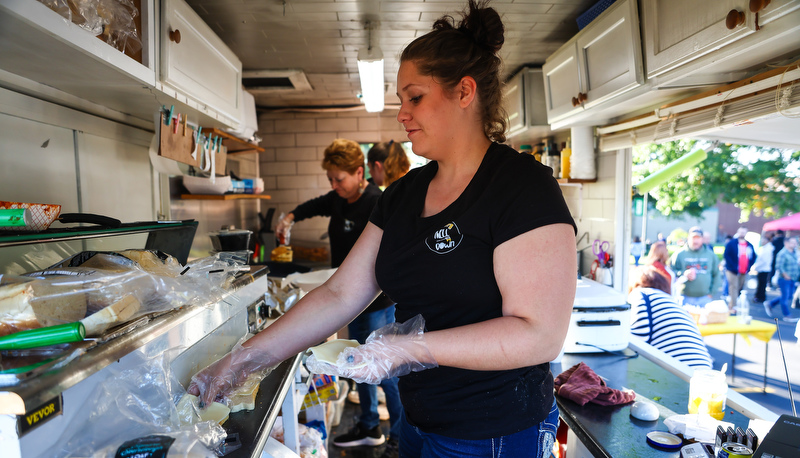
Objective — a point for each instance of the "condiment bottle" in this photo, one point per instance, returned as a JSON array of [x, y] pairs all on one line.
[[537, 152], [566, 158], [554, 160]]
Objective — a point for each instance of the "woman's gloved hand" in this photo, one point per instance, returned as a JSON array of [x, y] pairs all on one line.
[[218, 380], [394, 350], [284, 227]]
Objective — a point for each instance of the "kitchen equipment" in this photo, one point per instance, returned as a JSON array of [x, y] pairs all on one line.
[[600, 250], [600, 319], [310, 280], [203, 185], [227, 239]]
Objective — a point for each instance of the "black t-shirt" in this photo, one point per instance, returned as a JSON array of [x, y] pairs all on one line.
[[347, 220], [441, 267]]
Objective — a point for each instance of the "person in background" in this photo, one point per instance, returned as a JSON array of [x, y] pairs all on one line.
[[739, 257], [387, 161], [701, 268], [725, 290], [763, 266], [707, 240], [777, 244], [658, 257], [637, 249], [788, 271], [349, 205], [657, 319], [481, 272], [661, 238]]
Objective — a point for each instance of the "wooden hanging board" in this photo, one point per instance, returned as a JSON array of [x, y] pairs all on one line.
[[221, 159], [177, 147]]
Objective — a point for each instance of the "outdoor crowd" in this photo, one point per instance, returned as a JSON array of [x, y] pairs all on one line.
[[663, 287]]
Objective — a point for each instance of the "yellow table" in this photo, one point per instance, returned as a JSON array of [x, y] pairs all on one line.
[[759, 329]]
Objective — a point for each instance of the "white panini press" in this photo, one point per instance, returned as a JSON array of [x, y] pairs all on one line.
[[601, 319]]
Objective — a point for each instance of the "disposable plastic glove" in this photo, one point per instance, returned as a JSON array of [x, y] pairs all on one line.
[[391, 351], [283, 228], [216, 382]]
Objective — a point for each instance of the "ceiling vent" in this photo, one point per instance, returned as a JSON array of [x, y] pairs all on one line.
[[275, 81]]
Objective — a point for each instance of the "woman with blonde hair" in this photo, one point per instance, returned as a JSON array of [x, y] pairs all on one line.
[[387, 161]]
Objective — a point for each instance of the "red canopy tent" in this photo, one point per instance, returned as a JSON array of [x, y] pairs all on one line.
[[787, 223]]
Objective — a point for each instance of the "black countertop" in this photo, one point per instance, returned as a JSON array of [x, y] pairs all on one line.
[[611, 431]]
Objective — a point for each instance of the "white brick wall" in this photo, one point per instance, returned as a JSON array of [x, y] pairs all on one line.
[[292, 163]]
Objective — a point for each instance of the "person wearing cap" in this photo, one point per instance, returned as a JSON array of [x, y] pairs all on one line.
[[739, 258], [701, 268]]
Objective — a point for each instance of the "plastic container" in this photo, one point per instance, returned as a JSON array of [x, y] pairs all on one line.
[[525, 149], [743, 308], [708, 393]]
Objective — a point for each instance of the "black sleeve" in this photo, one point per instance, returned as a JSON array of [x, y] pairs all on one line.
[[318, 206], [534, 200]]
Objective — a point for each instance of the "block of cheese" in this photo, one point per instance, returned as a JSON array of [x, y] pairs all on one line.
[[282, 253], [329, 351], [114, 314], [188, 405], [244, 397]]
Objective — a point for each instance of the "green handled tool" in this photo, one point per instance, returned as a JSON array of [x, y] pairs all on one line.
[[41, 337]]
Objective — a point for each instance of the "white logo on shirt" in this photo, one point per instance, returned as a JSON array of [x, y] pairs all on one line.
[[349, 225], [444, 240]]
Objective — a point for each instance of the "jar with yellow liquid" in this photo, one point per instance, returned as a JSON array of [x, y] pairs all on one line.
[[708, 391]]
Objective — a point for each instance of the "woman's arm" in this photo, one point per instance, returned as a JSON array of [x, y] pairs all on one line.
[[536, 274], [320, 313]]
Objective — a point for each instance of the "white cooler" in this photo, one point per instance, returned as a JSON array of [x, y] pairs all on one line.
[[601, 319]]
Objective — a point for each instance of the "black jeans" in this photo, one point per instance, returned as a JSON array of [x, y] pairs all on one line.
[[761, 288]]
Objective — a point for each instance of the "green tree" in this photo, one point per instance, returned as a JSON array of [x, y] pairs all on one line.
[[763, 181]]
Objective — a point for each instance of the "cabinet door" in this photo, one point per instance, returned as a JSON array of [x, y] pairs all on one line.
[[609, 54], [198, 64], [678, 31], [514, 99], [562, 82]]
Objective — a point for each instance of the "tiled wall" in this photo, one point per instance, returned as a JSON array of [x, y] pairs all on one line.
[[291, 166], [292, 171]]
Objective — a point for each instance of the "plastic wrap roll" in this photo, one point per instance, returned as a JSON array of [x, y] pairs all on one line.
[[583, 158]]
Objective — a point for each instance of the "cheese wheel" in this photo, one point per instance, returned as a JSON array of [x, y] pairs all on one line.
[[188, 405], [329, 351]]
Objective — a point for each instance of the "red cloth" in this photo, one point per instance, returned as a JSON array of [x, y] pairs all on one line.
[[581, 384], [743, 260]]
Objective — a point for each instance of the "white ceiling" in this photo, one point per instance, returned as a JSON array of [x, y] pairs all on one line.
[[322, 37]]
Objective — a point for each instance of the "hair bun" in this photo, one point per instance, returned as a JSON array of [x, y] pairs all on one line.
[[484, 25]]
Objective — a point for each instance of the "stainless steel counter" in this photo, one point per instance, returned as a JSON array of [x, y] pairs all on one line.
[[198, 335]]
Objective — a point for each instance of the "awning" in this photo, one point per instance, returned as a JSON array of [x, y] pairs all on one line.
[[787, 223]]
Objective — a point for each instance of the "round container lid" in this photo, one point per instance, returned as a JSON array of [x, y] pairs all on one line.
[[664, 439]]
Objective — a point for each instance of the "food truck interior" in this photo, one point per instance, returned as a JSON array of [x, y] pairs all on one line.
[[100, 115]]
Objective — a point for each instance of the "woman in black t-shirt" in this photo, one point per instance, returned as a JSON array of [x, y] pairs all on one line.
[[477, 249]]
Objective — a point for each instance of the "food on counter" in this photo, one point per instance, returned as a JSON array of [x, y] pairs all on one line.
[[282, 253], [26, 304], [244, 396], [329, 351], [114, 314], [715, 406], [189, 405]]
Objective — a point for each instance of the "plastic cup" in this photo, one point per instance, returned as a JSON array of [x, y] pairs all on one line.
[[708, 392]]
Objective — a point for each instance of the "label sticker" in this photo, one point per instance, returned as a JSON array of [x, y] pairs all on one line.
[[39, 416], [145, 447]]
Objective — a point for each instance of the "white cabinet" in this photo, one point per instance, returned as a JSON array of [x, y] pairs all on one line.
[[603, 61], [677, 32], [523, 96], [40, 45], [562, 83], [196, 64]]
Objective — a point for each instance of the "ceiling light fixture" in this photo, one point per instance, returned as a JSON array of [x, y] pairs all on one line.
[[370, 71]]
